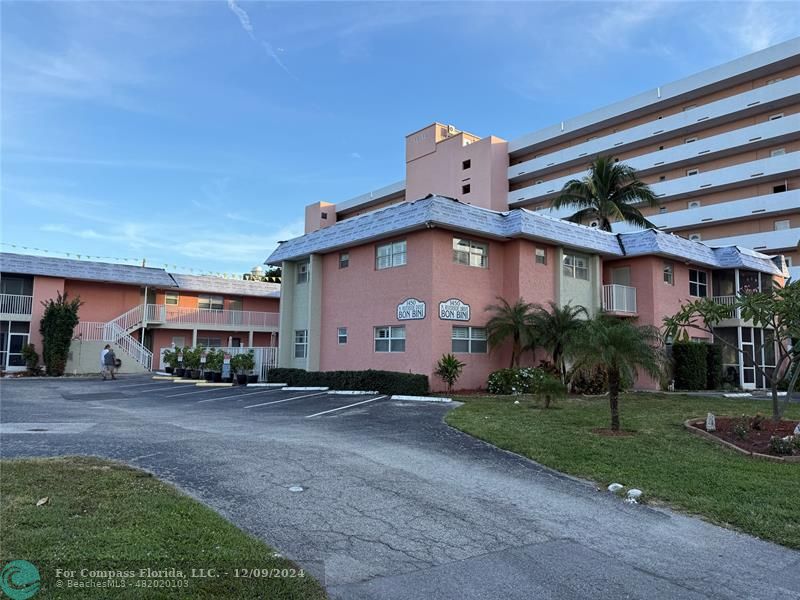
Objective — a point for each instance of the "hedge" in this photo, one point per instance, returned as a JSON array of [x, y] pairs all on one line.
[[385, 382], [714, 367], [690, 368]]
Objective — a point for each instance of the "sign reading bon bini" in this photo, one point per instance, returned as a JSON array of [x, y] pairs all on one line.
[[453, 310], [410, 309]]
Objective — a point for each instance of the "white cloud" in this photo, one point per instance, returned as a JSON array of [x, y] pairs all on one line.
[[247, 25], [355, 155]]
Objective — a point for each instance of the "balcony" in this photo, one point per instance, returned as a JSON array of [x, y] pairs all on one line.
[[619, 299], [210, 318], [727, 301], [16, 307]]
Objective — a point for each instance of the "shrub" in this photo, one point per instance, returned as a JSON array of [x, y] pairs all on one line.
[[171, 358], [57, 326], [449, 369], [550, 388], [590, 382], [526, 380], [741, 427], [385, 382], [31, 358], [781, 445], [214, 360], [689, 363], [713, 366], [242, 363]]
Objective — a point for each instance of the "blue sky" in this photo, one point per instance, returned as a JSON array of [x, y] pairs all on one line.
[[194, 133]]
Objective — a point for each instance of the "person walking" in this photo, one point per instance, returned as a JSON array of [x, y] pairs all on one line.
[[110, 360], [103, 353]]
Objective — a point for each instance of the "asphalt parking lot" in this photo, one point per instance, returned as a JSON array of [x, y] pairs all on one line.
[[395, 504]]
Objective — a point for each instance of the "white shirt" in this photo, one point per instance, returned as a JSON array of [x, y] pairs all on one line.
[[103, 353]]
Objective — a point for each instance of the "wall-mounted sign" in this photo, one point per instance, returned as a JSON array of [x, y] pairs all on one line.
[[410, 309], [453, 310]]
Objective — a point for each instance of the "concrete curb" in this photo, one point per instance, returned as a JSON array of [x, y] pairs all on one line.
[[267, 385], [422, 398], [212, 384], [164, 377], [192, 381], [353, 392], [306, 389]]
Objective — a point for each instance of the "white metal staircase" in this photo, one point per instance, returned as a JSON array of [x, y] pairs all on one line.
[[118, 331]]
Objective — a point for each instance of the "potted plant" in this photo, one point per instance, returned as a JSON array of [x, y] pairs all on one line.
[[236, 367], [247, 363], [170, 361], [180, 367], [214, 364], [208, 374], [191, 362]]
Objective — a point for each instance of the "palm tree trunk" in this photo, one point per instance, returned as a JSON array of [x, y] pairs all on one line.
[[613, 398]]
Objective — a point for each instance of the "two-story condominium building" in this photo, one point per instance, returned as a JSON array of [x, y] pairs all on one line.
[[397, 288], [719, 149], [140, 310]]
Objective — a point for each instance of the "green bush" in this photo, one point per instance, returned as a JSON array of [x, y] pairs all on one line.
[[713, 367], [57, 326], [31, 358], [689, 365], [526, 380], [781, 445], [590, 382], [385, 382]]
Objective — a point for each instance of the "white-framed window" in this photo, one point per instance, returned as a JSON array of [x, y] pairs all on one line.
[[777, 152], [693, 204], [466, 164], [209, 301], [541, 256], [171, 298], [470, 253], [341, 335], [782, 224], [209, 342], [179, 341], [301, 343], [576, 266], [695, 237], [302, 272], [390, 255], [669, 273], [775, 117], [698, 283], [693, 172], [470, 340], [344, 260], [390, 339], [689, 140], [466, 188]]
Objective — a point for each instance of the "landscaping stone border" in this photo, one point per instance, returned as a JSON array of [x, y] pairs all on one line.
[[689, 424]]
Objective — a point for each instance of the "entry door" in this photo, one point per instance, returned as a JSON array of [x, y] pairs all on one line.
[[748, 359]]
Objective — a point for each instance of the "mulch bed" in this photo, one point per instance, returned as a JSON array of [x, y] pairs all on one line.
[[757, 440]]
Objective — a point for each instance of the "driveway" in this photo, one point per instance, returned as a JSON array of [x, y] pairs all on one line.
[[395, 504]]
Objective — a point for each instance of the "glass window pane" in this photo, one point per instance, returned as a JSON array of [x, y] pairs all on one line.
[[20, 327], [479, 346], [460, 333], [478, 333], [398, 345], [460, 345], [381, 345], [399, 260], [398, 332]]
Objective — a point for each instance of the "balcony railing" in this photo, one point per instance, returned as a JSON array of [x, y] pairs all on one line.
[[15, 304], [210, 317], [619, 299], [726, 301]]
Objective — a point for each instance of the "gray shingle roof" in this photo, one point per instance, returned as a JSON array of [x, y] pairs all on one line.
[[455, 215], [234, 287], [25, 264]]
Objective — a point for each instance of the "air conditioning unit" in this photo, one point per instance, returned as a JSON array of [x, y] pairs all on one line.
[[594, 223], [451, 130]]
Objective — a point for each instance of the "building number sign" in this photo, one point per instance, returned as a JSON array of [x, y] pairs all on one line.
[[410, 309], [453, 310]]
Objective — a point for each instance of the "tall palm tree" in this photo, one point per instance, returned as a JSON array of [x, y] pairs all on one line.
[[557, 329], [510, 321], [608, 193], [622, 348]]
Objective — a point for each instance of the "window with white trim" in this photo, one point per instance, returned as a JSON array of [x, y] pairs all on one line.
[[669, 273], [782, 225], [302, 272], [171, 298], [390, 339], [471, 340], [691, 172], [776, 117], [341, 335], [301, 343], [344, 260], [209, 301], [698, 283], [470, 253], [541, 256], [390, 255], [576, 266], [209, 342]]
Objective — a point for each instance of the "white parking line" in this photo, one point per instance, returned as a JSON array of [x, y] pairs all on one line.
[[245, 394], [125, 387], [325, 412], [285, 400], [218, 389]]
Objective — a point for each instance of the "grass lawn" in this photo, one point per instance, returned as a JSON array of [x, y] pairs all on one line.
[[103, 515], [669, 464]]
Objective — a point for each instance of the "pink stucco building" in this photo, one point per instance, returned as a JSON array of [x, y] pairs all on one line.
[[396, 288], [139, 310]]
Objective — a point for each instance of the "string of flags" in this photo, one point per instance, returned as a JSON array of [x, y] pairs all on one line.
[[138, 261]]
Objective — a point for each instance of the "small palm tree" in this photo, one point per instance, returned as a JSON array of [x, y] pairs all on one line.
[[510, 321], [622, 348], [449, 369], [608, 193], [557, 329]]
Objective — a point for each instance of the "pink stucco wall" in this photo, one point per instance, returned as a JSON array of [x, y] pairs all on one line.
[[103, 301], [44, 288]]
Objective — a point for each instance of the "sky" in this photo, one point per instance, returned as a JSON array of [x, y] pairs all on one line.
[[193, 134]]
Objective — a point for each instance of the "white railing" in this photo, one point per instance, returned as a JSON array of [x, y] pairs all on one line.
[[111, 333], [619, 298], [131, 319], [15, 304], [162, 313], [726, 301], [266, 357]]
